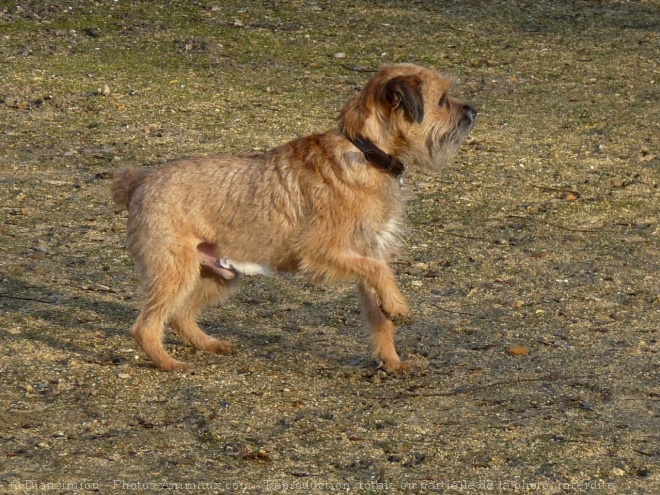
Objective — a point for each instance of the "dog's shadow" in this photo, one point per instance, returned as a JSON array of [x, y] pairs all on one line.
[[289, 317], [286, 317], [62, 320]]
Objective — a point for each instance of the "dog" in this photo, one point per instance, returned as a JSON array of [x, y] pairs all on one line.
[[328, 205]]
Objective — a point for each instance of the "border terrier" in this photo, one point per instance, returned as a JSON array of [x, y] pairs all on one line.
[[329, 205]]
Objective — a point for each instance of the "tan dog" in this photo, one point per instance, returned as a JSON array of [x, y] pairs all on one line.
[[328, 204]]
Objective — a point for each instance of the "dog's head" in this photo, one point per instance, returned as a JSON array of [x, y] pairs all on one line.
[[406, 111]]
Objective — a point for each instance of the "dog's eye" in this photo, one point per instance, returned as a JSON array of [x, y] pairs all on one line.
[[443, 101]]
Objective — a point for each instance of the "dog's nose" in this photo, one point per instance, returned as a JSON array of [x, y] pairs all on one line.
[[470, 112]]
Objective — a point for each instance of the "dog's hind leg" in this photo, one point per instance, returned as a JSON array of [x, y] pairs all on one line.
[[168, 282], [382, 330], [210, 289]]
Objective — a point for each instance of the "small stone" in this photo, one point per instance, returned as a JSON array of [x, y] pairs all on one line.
[[518, 351], [618, 472], [570, 197], [105, 90], [123, 376], [339, 55], [29, 388], [518, 303]]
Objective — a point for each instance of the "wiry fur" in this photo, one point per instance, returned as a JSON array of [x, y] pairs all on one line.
[[313, 204]]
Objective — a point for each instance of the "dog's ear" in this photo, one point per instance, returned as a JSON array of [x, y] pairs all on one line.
[[405, 93]]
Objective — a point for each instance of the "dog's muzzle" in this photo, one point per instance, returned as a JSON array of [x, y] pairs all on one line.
[[469, 116]]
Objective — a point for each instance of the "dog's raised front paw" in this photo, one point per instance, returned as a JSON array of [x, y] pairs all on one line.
[[396, 309]]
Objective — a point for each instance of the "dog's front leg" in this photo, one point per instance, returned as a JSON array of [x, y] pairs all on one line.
[[334, 265], [382, 331], [378, 275]]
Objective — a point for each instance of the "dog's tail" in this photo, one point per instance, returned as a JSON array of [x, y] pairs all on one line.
[[124, 184]]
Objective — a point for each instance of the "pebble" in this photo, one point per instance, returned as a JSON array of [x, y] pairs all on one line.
[[618, 472], [123, 376], [339, 55], [518, 303]]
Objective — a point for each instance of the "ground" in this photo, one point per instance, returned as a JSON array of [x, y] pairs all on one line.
[[531, 263]]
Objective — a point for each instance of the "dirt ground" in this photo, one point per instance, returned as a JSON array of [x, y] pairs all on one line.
[[532, 262]]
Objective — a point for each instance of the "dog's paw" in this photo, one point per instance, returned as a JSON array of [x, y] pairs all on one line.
[[396, 310], [401, 320], [174, 365], [397, 366], [218, 346], [404, 367]]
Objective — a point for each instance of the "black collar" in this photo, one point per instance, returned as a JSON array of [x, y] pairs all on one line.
[[378, 157]]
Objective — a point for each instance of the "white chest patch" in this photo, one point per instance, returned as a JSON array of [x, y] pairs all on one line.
[[247, 267], [388, 237]]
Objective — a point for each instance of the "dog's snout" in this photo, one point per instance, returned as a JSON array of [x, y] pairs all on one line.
[[470, 112]]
